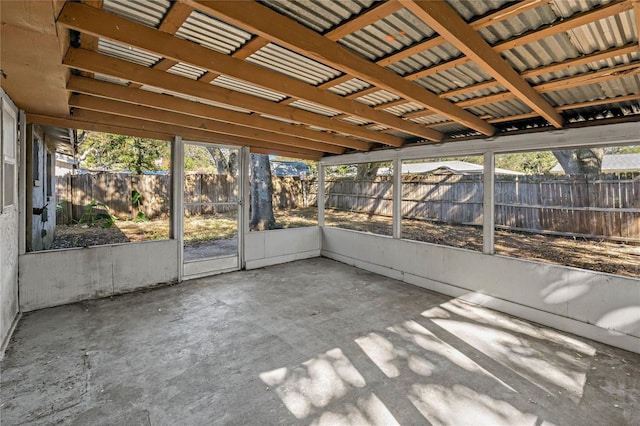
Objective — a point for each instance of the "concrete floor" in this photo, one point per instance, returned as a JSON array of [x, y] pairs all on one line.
[[310, 342]]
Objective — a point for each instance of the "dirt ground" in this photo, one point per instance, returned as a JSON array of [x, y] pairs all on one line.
[[597, 255]]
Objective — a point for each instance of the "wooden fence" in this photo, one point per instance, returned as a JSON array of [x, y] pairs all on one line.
[[204, 194], [593, 206]]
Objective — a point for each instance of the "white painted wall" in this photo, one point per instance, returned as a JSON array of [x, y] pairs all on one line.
[[599, 306], [9, 227], [279, 246], [52, 278]]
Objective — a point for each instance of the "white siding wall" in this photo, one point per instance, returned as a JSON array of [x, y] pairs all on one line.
[[57, 277], [280, 246], [599, 306]]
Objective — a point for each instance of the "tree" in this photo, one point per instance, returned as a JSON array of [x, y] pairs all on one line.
[[262, 217], [108, 151], [534, 163]]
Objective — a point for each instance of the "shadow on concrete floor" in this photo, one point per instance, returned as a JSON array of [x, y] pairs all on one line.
[[309, 342]]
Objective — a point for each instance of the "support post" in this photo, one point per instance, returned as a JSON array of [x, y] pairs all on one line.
[[177, 200], [397, 198], [320, 195], [488, 217], [245, 201], [21, 164]]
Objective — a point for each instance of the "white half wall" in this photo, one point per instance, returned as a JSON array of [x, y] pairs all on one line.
[[8, 275], [599, 306], [280, 246], [52, 278]]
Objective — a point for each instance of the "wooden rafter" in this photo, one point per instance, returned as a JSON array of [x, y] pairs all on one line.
[[582, 60], [151, 114], [372, 15], [446, 21], [95, 62], [141, 97], [186, 133], [93, 21], [286, 32], [491, 19], [580, 19], [171, 23]]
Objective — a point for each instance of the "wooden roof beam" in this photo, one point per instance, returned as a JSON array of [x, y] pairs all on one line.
[[151, 114], [580, 19], [171, 23], [170, 103], [446, 21], [95, 62], [368, 17], [103, 24], [491, 19], [288, 33], [186, 133]]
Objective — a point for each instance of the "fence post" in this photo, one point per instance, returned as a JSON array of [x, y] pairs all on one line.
[[488, 204]]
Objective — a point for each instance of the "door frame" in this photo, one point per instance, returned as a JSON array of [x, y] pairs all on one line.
[[212, 266]]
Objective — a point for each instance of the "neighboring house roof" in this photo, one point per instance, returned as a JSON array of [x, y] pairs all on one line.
[[288, 168], [613, 163], [454, 167]]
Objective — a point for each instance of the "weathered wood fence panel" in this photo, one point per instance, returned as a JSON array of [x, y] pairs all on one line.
[[202, 191], [603, 206]]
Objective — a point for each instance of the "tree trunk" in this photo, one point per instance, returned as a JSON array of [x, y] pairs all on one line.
[[261, 194], [367, 170], [218, 157], [580, 161]]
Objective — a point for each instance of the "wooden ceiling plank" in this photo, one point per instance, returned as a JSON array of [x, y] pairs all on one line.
[[146, 113], [104, 24], [446, 22], [169, 103], [368, 17], [363, 92], [288, 33], [95, 62]]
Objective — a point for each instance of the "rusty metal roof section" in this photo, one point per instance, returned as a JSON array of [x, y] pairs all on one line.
[[352, 70]]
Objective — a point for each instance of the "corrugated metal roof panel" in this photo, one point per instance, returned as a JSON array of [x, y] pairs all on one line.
[[501, 109], [403, 109], [479, 93], [426, 59], [470, 9], [128, 53], [194, 99], [146, 12], [275, 118], [186, 70], [110, 79], [519, 24], [250, 89], [625, 85], [293, 64], [549, 50], [212, 33], [430, 119], [352, 86], [320, 16], [392, 33], [378, 98], [462, 76], [355, 120], [313, 107], [377, 127]]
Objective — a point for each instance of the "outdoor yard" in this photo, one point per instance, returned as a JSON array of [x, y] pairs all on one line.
[[596, 255]]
